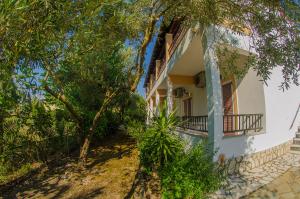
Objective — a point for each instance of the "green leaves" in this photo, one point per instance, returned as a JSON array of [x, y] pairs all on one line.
[[192, 175], [160, 145]]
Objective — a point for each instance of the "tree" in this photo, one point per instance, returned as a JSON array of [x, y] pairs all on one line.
[[8, 101], [275, 35], [73, 51], [87, 54]]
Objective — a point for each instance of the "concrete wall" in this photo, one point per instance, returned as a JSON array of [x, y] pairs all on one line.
[[251, 97], [199, 101], [280, 110]]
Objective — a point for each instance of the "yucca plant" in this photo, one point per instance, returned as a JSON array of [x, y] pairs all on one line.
[[160, 144]]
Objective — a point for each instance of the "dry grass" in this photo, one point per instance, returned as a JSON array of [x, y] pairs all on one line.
[[112, 169]]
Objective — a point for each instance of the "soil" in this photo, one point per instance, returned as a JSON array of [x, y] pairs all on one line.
[[112, 172]]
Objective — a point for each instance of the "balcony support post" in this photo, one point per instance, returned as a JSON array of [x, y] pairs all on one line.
[[213, 88], [169, 95], [151, 107], [157, 69], [151, 81], [157, 99], [169, 40], [148, 113]]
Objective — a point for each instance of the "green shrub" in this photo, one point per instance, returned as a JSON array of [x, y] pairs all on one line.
[[34, 134], [184, 174], [7, 177], [160, 145], [192, 175], [136, 129]]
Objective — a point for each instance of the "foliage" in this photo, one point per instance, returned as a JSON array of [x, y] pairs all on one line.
[[81, 59], [184, 174], [135, 109], [33, 135], [273, 29], [23, 170], [74, 52], [192, 175], [134, 117], [159, 144]]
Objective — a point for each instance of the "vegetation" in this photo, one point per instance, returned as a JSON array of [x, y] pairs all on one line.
[[69, 71], [159, 144], [192, 175], [183, 173]]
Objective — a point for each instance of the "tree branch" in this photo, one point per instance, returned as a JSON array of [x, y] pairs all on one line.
[[63, 99]]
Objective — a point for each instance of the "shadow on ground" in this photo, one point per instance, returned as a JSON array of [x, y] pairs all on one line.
[[285, 186], [111, 170]]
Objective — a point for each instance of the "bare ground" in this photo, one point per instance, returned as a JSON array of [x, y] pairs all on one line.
[[112, 172]]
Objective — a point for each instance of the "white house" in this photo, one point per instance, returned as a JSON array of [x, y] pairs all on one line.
[[242, 117]]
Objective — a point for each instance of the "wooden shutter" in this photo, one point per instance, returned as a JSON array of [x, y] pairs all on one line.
[[228, 106]]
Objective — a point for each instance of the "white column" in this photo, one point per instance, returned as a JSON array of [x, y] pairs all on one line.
[[213, 88], [169, 95], [151, 107], [148, 113], [157, 68], [157, 97]]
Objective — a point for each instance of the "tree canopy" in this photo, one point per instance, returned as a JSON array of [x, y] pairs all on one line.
[[87, 57]]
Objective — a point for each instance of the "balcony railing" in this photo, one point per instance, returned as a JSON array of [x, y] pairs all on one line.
[[178, 36], [198, 123], [242, 123], [231, 123]]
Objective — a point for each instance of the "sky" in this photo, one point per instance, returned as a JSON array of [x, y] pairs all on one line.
[[149, 51]]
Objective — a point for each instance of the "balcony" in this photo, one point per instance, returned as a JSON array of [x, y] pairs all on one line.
[[166, 51], [232, 124]]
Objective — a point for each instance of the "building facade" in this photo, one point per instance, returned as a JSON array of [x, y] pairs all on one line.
[[241, 115]]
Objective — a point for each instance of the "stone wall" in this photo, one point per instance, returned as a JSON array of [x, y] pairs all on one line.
[[247, 162]]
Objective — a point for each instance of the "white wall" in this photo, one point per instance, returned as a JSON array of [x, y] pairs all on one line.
[[280, 110], [199, 101]]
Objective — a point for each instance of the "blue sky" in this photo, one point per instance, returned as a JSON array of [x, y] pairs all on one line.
[[149, 51]]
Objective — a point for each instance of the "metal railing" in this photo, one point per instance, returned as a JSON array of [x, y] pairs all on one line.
[[231, 123], [198, 123], [242, 123]]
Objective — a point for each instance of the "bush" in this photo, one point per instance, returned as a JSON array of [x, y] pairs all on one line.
[[160, 145], [136, 129], [36, 133], [184, 174], [23, 170], [193, 175]]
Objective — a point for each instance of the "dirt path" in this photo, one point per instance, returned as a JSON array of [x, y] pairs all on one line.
[[286, 186], [112, 168]]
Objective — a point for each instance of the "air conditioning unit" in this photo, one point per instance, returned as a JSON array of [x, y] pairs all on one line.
[[179, 92], [200, 80]]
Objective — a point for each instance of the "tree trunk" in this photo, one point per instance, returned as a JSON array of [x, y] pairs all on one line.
[[142, 53], [85, 147]]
